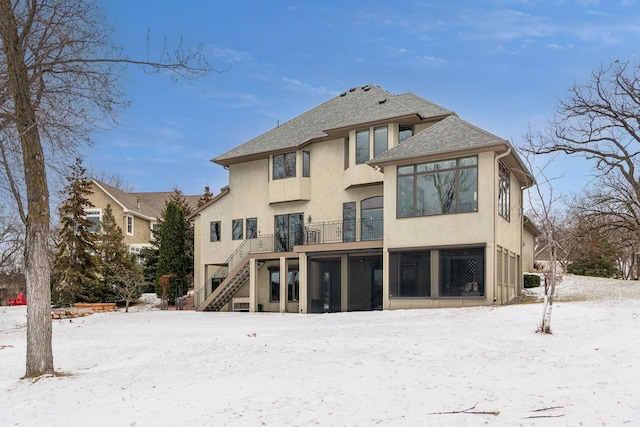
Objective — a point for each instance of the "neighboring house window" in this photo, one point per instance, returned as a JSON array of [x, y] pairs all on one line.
[[372, 220], [380, 140], [236, 229], [214, 228], [410, 274], [362, 146], [306, 163], [284, 166], [404, 132], [504, 192], [293, 285], [435, 188], [95, 216], [252, 228], [129, 225], [461, 272]]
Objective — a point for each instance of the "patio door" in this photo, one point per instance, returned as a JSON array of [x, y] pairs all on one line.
[[289, 231]]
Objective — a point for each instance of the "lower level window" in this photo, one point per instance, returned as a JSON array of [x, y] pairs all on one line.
[[461, 272], [410, 274], [293, 285]]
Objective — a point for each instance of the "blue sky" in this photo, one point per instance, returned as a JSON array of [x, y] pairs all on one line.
[[501, 65]]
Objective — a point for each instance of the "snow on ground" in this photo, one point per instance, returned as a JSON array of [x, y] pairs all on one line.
[[393, 368]]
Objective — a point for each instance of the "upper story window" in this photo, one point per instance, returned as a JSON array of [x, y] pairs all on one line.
[[306, 164], [365, 145], [129, 225], [346, 152], [252, 228], [404, 132], [93, 215], [236, 229], [435, 188], [214, 231], [504, 192], [284, 165]]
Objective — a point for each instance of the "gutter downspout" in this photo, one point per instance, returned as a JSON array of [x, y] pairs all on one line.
[[495, 219]]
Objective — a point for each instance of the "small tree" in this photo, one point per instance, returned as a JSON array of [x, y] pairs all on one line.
[[172, 255], [208, 195], [128, 282], [74, 270]]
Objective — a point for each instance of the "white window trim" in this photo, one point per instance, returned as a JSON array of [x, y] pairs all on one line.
[[126, 225]]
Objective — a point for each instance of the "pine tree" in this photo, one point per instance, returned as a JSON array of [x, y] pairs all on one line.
[[173, 251], [208, 195], [74, 270], [595, 255], [115, 257]]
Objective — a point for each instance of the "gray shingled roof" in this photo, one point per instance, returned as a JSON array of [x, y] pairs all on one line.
[[151, 203], [447, 135], [360, 105]]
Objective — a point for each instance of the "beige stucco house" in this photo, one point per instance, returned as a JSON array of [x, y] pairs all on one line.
[[368, 201], [137, 213]]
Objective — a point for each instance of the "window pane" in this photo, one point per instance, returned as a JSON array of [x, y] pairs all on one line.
[[296, 230], [252, 228], [462, 272], [290, 165], [346, 153], [362, 146], [468, 190], [214, 231], [349, 222], [306, 163], [236, 225], [404, 170], [410, 274], [438, 166], [275, 286], [405, 132], [380, 144], [293, 285], [405, 197], [468, 161], [278, 166], [438, 190]]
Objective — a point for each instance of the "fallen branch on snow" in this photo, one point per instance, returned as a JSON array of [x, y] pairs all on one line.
[[468, 411]]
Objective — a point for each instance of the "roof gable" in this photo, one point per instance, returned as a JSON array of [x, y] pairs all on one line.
[[365, 104]]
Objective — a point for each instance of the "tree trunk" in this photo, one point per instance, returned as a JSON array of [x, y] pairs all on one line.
[[36, 256]]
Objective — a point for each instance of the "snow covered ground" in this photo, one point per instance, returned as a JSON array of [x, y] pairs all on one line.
[[397, 368]]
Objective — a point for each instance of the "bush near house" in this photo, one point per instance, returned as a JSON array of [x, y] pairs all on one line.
[[531, 281]]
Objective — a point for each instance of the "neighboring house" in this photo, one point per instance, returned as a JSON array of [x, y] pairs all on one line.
[[137, 213], [368, 201], [529, 237]]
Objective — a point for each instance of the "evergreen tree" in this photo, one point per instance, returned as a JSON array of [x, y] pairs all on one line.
[[181, 201], [208, 195], [595, 255], [114, 254], [173, 251], [74, 270]]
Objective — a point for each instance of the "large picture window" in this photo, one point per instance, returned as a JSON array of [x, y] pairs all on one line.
[[436, 188], [504, 192], [410, 274], [284, 166]]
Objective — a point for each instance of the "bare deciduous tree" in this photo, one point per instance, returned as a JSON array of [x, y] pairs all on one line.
[[60, 75]]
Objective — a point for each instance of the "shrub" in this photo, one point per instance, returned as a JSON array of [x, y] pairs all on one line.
[[531, 281]]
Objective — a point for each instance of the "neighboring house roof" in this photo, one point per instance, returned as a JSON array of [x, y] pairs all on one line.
[[531, 227], [147, 205], [356, 107], [223, 192]]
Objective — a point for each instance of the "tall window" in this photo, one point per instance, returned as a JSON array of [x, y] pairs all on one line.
[[504, 192], [410, 274], [404, 132], [371, 211], [289, 231], [346, 152], [293, 285], [435, 188], [129, 225], [252, 228], [380, 140], [362, 146], [306, 163], [284, 165], [214, 231], [236, 229], [349, 222]]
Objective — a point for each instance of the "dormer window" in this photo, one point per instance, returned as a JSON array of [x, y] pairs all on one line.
[[284, 166]]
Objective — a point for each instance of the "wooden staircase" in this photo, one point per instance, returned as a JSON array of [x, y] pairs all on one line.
[[228, 288]]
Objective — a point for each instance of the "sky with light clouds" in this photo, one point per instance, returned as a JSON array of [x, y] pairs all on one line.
[[502, 65]]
